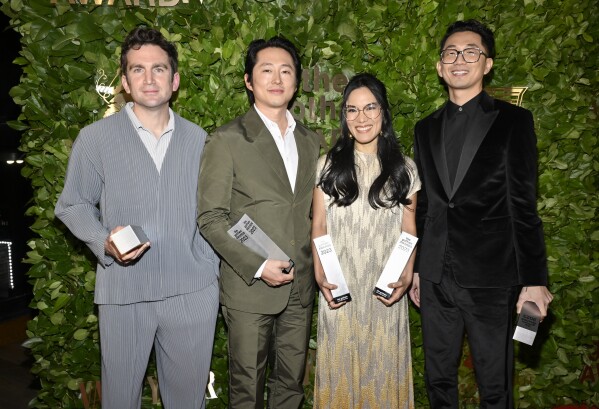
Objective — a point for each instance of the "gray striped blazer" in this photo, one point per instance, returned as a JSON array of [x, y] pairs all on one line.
[[111, 180]]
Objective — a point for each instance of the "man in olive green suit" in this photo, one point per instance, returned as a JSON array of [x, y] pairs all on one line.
[[262, 164]]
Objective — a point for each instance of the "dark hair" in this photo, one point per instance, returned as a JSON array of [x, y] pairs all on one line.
[[486, 35], [275, 42], [143, 35], [339, 179]]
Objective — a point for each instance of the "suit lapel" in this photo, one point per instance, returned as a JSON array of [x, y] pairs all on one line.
[[265, 146], [479, 128], [438, 149], [304, 175]]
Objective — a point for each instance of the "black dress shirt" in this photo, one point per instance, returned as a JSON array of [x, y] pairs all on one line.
[[456, 121]]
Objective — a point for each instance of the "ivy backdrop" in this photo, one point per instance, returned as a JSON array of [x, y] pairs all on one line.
[[549, 46]]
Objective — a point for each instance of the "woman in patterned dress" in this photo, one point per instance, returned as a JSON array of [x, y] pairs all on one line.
[[365, 196]]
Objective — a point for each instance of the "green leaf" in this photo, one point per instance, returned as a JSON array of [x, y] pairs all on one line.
[[546, 45], [57, 318], [78, 73], [73, 384], [41, 306], [61, 301], [81, 334]]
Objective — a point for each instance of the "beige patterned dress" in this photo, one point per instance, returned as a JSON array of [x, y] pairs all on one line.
[[363, 358]]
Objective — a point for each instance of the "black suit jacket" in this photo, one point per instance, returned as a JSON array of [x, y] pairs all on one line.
[[485, 229]]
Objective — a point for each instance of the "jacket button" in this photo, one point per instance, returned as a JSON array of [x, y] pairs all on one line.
[[451, 205], [292, 242]]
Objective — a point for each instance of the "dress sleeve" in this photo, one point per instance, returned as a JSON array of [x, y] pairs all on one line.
[[415, 184], [320, 168]]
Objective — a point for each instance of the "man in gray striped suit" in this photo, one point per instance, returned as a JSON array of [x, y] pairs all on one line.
[[139, 167]]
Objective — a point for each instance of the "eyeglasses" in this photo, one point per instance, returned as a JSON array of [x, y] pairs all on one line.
[[470, 55], [371, 111]]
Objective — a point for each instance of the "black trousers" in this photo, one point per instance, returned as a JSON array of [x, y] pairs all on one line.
[[486, 315]]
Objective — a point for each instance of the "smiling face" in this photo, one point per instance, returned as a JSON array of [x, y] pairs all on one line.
[[364, 129], [149, 78], [464, 80], [273, 79]]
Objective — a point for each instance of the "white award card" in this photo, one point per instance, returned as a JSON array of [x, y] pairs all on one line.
[[129, 238], [332, 268], [395, 264]]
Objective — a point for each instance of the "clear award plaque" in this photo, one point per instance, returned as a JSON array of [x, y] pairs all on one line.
[[247, 232]]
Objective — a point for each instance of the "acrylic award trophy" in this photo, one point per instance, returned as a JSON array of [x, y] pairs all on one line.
[[247, 232]]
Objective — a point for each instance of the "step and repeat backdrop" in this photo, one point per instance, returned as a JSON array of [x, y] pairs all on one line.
[[70, 61]]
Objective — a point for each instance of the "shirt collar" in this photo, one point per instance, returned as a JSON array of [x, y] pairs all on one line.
[[170, 126], [271, 125], [468, 108]]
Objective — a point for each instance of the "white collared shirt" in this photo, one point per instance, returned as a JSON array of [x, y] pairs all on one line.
[[285, 143], [156, 147], [288, 150]]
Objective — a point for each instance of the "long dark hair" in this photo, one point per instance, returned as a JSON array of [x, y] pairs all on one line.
[[339, 178]]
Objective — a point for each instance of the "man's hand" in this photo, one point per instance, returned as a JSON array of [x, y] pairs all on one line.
[[540, 295], [415, 290], [126, 258], [273, 273]]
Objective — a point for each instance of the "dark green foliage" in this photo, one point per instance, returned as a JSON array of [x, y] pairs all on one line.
[[549, 46]]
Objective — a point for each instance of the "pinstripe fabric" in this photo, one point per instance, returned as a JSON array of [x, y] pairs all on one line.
[[182, 330], [110, 167]]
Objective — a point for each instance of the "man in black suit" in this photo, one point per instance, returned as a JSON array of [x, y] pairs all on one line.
[[481, 240]]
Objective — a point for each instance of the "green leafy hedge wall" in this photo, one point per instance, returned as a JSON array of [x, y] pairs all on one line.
[[549, 46]]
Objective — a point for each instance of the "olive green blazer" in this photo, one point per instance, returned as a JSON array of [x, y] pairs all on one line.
[[242, 172]]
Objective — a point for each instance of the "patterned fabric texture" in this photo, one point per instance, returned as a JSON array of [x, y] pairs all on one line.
[[363, 356]]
